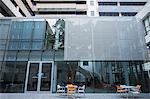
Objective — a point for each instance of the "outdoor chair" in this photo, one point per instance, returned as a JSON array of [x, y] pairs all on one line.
[[120, 89], [60, 89], [81, 89], [135, 90], [71, 89]]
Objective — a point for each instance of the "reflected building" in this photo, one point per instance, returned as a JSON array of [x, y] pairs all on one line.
[[38, 54]]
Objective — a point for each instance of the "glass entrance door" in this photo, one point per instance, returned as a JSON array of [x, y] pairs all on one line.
[[38, 76]]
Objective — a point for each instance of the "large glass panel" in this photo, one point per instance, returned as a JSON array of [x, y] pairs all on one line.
[[23, 56], [27, 30], [4, 30], [16, 29], [2, 44], [35, 55], [33, 77], [10, 55], [75, 73], [13, 77], [39, 29], [24, 45], [37, 45], [85, 75], [46, 77], [48, 55], [19, 79], [2, 53], [13, 45], [59, 55], [107, 75]]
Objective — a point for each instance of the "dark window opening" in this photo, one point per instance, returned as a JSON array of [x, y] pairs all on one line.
[[132, 3], [77, 2], [108, 13], [128, 13], [64, 12], [107, 3], [85, 63]]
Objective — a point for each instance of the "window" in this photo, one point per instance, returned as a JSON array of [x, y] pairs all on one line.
[[147, 25], [92, 13], [108, 13], [63, 12], [91, 3], [107, 3], [132, 3], [85, 63], [128, 13]]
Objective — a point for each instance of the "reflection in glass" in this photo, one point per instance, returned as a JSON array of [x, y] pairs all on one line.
[[46, 77], [35, 55], [48, 55], [10, 56], [37, 45], [12, 77], [22, 56], [33, 77], [101, 76], [24, 45]]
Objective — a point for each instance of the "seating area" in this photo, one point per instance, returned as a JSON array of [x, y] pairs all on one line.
[[130, 90], [70, 89]]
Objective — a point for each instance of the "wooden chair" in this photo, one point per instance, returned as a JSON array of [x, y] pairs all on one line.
[[120, 89], [71, 89]]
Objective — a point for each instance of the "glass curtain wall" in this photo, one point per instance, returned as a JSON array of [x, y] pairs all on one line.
[[23, 41], [20, 41], [99, 76]]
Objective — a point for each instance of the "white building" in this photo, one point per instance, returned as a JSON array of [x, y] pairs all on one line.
[[120, 7], [144, 15], [48, 8]]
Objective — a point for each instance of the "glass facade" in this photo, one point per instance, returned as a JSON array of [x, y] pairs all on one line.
[[32, 59]]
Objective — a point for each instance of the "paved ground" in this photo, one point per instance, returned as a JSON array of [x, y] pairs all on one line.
[[76, 96]]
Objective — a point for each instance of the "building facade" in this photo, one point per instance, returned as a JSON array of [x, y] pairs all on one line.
[[144, 15], [49, 8], [38, 54]]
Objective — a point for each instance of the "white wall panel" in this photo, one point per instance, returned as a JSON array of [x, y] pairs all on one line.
[[104, 39]]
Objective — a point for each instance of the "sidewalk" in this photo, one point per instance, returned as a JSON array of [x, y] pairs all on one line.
[[76, 96]]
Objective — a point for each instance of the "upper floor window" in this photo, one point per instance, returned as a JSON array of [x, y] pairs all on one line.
[[92, 13], [107, 3], [132, 3], [91, 3], [147, 25], [108, 13], [85, 63], [128, 13]]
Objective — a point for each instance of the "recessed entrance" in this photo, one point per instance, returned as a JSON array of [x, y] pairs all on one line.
[[39, 76]]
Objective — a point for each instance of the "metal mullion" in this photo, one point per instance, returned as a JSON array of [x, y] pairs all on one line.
[[39, 77]]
